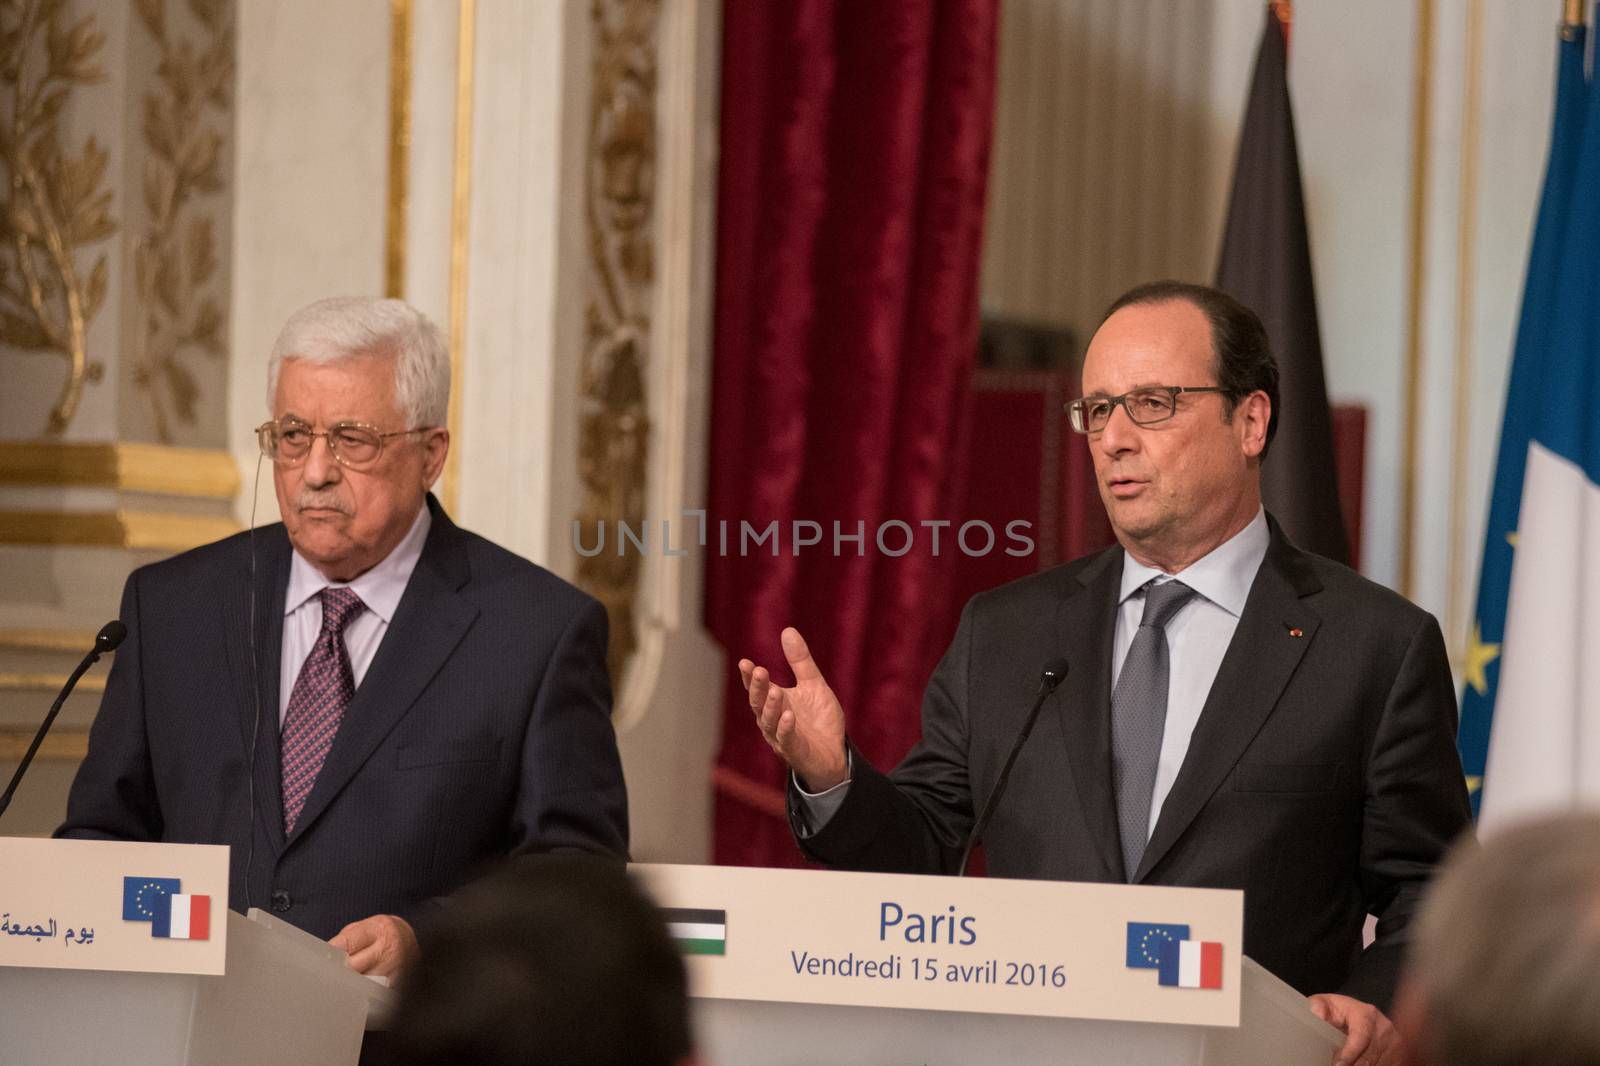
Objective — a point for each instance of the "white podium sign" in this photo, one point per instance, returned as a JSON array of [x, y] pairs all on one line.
[[157, 971], [99, 905], [1109, 952]]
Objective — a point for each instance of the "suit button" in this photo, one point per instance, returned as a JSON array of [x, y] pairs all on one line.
[[281, 901]]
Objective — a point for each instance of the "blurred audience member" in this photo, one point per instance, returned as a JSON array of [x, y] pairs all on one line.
[[555, 961], [1505, 962]]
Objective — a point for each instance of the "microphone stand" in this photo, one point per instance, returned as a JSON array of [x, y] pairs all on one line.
[[1052, 675], [110, 635]]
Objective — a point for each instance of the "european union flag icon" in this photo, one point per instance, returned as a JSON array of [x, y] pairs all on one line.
[[1145, 940], [139, 896]]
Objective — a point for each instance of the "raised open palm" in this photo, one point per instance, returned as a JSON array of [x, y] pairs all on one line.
[[804, 724]]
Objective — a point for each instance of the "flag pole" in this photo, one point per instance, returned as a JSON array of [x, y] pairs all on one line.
[[1284, 9]]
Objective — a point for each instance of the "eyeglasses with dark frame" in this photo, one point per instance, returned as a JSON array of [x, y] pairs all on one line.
[[356, 445], [1146, 407]]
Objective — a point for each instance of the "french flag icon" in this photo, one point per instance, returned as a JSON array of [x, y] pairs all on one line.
[[1191, 964], [182, 917]]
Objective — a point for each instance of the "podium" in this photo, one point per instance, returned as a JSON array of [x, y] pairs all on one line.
[[796, 967], [284, 997]]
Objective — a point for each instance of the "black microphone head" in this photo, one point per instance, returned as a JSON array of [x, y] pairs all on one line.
[[1054, 672], [111, 634]]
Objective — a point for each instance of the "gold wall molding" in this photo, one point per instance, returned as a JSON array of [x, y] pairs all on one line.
[[175, 264], [60, 745], [52, 640], [46, 682], [460, 215], [1416, 277], [155, 468], [620, 208], [401, 20], [140, 530], [1458, 631], [55, 203]]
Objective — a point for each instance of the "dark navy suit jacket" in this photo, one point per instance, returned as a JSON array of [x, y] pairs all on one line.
[[1321, 778], [481, 729]]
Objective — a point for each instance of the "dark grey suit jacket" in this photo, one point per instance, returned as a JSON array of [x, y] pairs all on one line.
[[481, 729], [1322, 777]]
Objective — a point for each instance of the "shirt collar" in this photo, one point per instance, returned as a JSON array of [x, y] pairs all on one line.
[[379, 588], [1223, 576]]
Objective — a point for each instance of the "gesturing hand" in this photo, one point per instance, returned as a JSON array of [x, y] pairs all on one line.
[[803, 724]]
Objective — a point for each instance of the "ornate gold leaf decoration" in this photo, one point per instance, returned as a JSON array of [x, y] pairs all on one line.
[[60, 745], [175, 265], [54, 202], [619, 202], [127, 466]]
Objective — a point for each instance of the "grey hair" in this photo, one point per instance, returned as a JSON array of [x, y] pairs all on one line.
[[346, 327], [1506, 955]]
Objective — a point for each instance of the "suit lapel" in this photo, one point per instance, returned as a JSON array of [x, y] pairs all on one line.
[[1257, 666], [255, 677], [1085, 626], [428, 624]]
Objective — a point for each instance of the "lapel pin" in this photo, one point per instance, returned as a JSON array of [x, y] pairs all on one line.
[[1296, 631]]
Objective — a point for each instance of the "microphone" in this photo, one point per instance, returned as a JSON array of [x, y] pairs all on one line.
[[111, 634], [1054, 672]]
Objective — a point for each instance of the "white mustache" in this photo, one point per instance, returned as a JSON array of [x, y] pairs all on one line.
[[321, 501]]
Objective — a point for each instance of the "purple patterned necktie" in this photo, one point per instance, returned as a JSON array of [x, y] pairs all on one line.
[[316, 706]]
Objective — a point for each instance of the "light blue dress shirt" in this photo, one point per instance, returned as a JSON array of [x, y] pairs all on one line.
[[1197, 639]]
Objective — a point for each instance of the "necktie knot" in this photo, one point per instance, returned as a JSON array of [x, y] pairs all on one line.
[[1163, 601], [339, 609]]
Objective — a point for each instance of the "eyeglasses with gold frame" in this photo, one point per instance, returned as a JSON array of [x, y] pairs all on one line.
[[355, 445]]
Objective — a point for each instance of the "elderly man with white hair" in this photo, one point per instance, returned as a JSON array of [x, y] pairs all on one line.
[[365, 702], [1504, 964]]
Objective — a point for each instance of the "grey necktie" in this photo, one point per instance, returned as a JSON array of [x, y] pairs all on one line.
[[1139, 715]]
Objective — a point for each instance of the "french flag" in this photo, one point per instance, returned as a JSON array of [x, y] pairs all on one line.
[[1191, 964], [182, 917]]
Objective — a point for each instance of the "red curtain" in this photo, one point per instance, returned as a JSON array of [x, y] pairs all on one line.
[[855, 152]]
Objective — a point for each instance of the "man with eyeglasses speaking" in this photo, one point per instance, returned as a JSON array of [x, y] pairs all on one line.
[[365, 702], [1237, 714]]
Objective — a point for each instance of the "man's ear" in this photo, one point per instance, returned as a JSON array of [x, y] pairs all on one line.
[[435, 446], [1252, 415]]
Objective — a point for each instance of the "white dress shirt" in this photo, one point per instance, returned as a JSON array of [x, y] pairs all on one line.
[[1197, 638], [379, 588]]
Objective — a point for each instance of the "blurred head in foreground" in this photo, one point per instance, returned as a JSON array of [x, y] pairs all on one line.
[[1505, 962], [557, 960]]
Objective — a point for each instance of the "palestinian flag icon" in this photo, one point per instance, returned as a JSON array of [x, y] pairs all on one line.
[[698, 932]]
